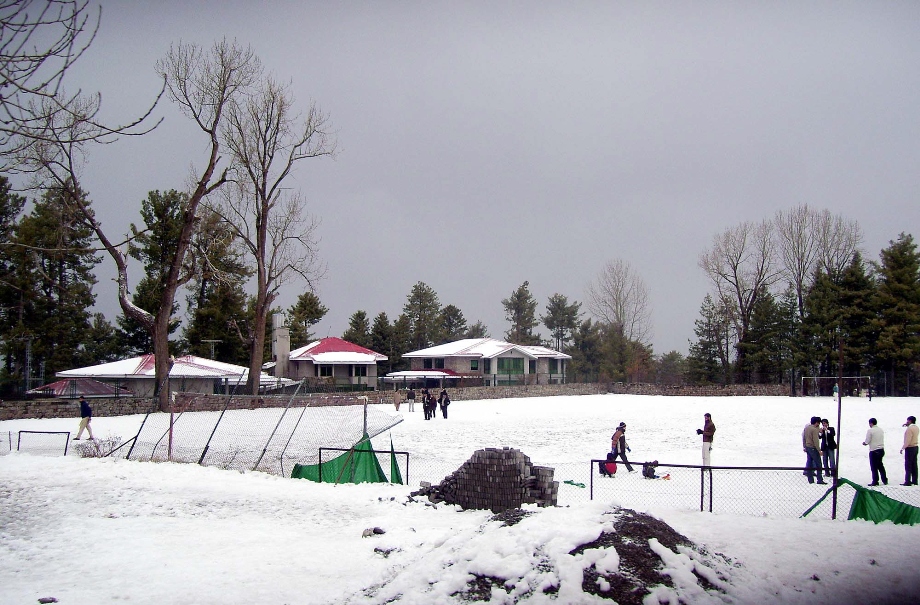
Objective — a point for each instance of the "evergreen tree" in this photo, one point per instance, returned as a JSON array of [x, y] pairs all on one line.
[[898, 302], [217, 301], [709, 361], [423, 310], [586, 352], [477, 330], [765, 346], [520, 312], [303, 315], [858, 318], [359, 330], [55, 262], [453, 324], [402, 341], [102, 343], [11, 206], [821, 325], [561, 320], [382, 339], [155, 246], [671, 369]]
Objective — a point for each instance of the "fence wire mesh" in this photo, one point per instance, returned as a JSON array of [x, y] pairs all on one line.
[[41, 443], [271, 440]]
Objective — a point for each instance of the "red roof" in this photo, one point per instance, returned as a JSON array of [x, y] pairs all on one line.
[[332, 344], [74, 387]]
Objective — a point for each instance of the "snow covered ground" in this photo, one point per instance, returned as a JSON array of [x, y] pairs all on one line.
[[98, 531]]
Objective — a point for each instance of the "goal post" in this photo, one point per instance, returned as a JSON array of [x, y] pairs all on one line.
[[823, 386]]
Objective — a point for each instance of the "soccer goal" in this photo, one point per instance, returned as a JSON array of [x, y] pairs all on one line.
[[45, 443], [823, 386]]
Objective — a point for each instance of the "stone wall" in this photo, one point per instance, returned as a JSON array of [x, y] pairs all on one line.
[[122, 406]]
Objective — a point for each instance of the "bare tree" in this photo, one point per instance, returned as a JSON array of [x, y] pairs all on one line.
[[741, 266], [266, 138], [41, 40], [619, 298], [840, 240], [202, 83], [808, 239]]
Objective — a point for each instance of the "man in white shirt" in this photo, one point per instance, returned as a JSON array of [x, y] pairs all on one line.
[[875, 439], [909, 449]]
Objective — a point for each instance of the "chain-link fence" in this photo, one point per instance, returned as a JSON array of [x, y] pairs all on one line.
[[39, 443], [758, 491], [267, 439]]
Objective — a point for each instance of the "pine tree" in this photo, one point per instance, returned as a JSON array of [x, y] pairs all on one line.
[[477, 330], [898, 302], [423, 310], [709, 361], [858, 318], [55, 276], [520, 312], [453, 324], [217, 301], [382, 339], [11, 206], [561, 320], [102, 343], [822, 324], [402, 341], [359, 330], [303, 315], [585, 352]]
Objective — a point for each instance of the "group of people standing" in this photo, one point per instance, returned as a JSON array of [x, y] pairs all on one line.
[[819, 444], [429, 403], [875, 439]]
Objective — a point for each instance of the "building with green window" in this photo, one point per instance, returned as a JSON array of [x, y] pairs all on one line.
[[487, 361]]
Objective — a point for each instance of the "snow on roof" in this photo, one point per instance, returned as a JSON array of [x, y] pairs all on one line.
[[74, 387], [486, 348], [188, 366], [334, 350], [419, 374]]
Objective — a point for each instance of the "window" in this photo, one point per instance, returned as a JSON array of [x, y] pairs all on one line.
[[325, 370], [439, 363], [487, 367], [360, 370], [553, 366], [474, 365], [510, 365], [427, 363], [532, 366]]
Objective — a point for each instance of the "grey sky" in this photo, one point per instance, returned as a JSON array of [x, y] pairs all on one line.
[[485, 144]]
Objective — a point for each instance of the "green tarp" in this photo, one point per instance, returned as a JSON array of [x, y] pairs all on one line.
[[357, 465], [871, 505], [874, 506]]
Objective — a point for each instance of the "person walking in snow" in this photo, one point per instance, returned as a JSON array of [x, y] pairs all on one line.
[[86, 418], [410, 399], [619, 447], [875, 439], [708, 430]]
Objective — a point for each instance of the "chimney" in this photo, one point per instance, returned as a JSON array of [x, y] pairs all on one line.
[[281, 345]]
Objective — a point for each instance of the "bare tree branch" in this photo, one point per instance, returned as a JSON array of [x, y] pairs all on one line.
[[620, 298]]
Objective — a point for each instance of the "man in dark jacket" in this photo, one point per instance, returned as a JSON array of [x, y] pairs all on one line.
[[618, 444], [828, 446], [86, 417], [708, 430]]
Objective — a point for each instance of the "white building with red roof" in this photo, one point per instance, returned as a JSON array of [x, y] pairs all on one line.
[[486, 361], [335, 359], [189, 374]]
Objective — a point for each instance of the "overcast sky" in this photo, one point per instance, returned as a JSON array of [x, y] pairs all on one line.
[[483, 144]]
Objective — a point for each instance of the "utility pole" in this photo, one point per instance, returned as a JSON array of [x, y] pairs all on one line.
[[213, 342]]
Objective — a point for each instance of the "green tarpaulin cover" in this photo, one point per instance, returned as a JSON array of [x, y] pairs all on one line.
[[358, 465], [874, 506], [871, 505]]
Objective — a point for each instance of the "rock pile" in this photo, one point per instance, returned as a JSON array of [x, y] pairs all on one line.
[[497, 480]]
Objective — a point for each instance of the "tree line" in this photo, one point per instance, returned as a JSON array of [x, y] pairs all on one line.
[[795, 296], [788, 294]]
